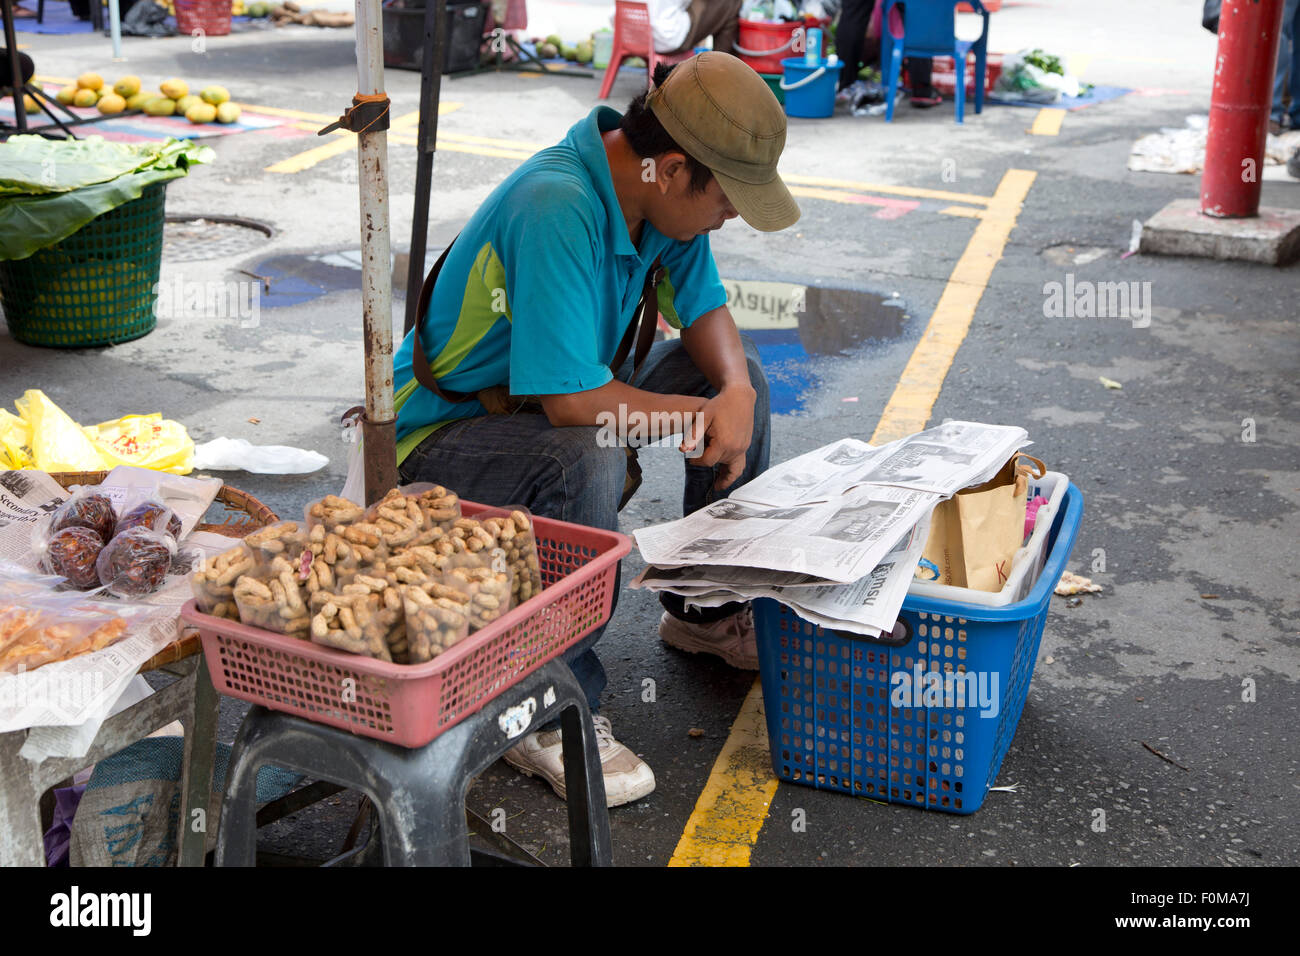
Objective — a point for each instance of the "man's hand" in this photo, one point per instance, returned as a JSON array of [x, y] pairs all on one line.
[[724, 428]]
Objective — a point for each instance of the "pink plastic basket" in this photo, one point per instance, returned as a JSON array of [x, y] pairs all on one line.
[[410, 705]]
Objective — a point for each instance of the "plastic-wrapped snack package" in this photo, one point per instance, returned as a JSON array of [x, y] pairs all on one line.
[[135, 562], [398, 520], [60, 632], [436, 620], [441, 506], [86, 508], [333, 513], [71, 553], [19, 582], [284, 539], [150, 513], [383, 620], [350, 622], [512, 529], [213, 581], [273, 600], [488, 590], [14, 621], [328, 561]]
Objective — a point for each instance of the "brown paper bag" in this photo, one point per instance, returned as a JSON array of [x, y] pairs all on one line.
[[975, 533]]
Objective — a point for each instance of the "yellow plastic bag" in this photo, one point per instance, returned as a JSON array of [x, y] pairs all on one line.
[[15, 442], [145, 441], [54, 442], [57, 442]]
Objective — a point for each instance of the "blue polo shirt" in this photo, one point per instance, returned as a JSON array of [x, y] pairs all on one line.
[[541, 284]]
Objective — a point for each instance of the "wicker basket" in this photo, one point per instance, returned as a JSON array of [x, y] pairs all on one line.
[[97, 286], [208, 17], [234, 513]]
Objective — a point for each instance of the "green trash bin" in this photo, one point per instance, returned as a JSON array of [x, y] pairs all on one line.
[[96, 287]]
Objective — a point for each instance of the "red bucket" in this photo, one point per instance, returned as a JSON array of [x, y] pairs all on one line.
[[764, 45], [208, 17]]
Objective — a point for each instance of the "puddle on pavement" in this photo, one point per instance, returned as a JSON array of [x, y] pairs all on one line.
[[798, 328]]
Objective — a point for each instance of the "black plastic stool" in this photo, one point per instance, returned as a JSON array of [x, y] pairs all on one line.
[[419, 795]]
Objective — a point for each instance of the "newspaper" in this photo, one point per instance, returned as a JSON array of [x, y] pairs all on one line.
[[835, 534], [868, 606], [67, 701], [839, 540], [941, 460]]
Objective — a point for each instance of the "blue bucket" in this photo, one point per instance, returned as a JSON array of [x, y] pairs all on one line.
[[809, 90]]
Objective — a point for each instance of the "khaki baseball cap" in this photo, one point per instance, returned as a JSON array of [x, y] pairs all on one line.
[[724, 115]]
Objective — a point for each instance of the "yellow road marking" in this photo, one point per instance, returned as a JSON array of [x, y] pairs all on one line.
[[1047, 122], [342, 142], [61, 80], [448, 147], [913, 191], [732, 808], [962, 211], [914, 396], [1078, 63]]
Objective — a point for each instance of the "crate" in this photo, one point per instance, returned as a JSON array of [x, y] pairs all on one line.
[[97, 286], [861, 716], [410, 705], [943, 76], [203, 17], [462, 38]]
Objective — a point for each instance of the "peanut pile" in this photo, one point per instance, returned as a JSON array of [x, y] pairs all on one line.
[[401, 581]]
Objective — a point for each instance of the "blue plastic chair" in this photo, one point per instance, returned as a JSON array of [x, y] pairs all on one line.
[[929, 31]]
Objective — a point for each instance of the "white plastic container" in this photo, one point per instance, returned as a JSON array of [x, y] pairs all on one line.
[[1028, 561]]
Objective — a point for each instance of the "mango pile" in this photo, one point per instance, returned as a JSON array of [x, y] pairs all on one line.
[[211, 105]]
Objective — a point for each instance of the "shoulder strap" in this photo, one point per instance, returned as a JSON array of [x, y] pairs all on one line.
[[419, 363], [645, 319]]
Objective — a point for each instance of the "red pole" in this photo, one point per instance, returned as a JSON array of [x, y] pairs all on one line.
[[1239, 107]]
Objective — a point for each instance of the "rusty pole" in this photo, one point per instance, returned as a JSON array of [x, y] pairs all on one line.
[[1239, 107], [378, 425]]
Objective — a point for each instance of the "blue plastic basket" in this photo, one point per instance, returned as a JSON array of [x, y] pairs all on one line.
[[866, 717]]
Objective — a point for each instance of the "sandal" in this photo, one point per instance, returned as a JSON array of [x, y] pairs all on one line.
[[22, 13], [925, 102]]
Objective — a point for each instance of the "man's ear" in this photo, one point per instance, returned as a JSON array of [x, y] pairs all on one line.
[[668, 167]]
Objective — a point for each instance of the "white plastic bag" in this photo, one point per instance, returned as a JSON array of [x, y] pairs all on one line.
[[237, 454]]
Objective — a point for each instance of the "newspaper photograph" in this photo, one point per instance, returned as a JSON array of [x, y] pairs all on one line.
[[941, 460], [840, 540]]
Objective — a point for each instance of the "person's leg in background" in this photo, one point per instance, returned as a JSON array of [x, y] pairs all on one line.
[[712, 18], [1291, 36], [919, 70], [1284, 67], [851, 38]]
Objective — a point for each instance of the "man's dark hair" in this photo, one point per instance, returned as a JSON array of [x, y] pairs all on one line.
[[648, 138]]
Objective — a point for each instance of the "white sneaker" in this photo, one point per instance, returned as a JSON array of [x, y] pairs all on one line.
[[627, 776], [733, 638]]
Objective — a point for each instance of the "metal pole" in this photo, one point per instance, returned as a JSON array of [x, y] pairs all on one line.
[[1239, 107], [115, 27], [435, 28], [15, 78], [378, 429]]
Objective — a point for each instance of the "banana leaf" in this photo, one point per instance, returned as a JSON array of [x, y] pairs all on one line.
[[34, 165], [32, 222]]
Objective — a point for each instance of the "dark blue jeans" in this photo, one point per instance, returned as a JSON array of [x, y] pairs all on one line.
[[564, 473]]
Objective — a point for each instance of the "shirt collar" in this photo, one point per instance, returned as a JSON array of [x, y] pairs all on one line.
[[591, 150]]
